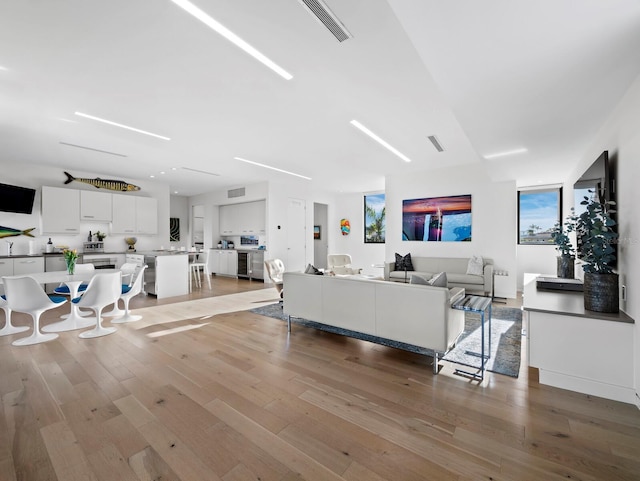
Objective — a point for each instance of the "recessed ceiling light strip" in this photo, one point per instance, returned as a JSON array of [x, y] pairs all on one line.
[[232, 37], [506, 153], [381, 141], [272, 168], [90, 148], [199, 171], [122, 126]]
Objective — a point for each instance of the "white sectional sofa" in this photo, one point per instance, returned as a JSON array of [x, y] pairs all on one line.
[[456, 269], [413, 314]]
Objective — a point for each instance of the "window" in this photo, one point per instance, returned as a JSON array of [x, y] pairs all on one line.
[[374, 219], [538, 211]]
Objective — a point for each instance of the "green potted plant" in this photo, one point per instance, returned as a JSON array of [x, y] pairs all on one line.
[[595, 226], [561, 238], [100, 235]]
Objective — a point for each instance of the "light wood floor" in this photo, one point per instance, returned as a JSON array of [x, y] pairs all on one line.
[[204, 390]]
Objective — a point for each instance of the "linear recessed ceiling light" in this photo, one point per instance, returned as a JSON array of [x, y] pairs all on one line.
[[91, 148], [122, 126], [272, 168], [504, 154], [232, 37], [200, 171], [382, 142]]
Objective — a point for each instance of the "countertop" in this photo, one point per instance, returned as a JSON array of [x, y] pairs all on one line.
[[243, 249], [51, 254], [569, 303]]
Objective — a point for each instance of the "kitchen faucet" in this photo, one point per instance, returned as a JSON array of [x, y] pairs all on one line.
[[9, 246]]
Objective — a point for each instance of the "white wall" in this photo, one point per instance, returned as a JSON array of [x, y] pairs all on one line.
[[620, 135], [351, 207], [493, 205], [35, 176]]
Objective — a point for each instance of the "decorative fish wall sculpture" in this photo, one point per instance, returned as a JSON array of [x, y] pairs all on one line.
[[99, 183], [9, 232]]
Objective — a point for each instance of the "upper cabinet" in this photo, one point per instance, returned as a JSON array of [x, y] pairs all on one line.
[[95, 206], [60, 210], [146, 215], [243, 219], [134, 215], [64, 209]]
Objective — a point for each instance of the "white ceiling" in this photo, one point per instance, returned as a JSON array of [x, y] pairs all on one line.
[[483, 77]]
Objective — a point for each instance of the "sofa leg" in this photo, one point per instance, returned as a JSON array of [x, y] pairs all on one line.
[[288, 323], [435, 363]]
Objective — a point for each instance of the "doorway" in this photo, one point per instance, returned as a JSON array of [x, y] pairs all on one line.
[[320, 235], [296, 234]]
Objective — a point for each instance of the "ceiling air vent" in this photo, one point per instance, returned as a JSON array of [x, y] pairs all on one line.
[[436, 143], [235, 193], [324, 14]]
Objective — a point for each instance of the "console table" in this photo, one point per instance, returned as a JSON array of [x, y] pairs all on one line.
[[575, 349], [480, 305]]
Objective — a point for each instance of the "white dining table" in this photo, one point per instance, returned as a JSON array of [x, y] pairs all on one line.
[[73, 281]]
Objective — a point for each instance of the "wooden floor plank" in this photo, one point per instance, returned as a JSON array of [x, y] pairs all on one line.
[[201, 389]]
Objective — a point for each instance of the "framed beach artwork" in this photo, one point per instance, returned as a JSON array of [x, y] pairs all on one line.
[[437, 219], [316, 232]]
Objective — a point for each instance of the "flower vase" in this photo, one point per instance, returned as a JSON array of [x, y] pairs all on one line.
[[71, 266]]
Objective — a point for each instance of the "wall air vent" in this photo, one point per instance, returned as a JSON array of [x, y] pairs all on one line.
[[436, 143], [235, 193], [325, 16]]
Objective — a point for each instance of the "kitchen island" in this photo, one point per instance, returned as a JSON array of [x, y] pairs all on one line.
[[167, 274]]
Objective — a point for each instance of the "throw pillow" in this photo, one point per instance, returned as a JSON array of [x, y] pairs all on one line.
[[403, 262], [439, 280], [475, 266], [312, 270], [415, 279]]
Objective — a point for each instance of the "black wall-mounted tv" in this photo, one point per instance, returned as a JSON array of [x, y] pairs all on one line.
[[599, 180], [16, 199]]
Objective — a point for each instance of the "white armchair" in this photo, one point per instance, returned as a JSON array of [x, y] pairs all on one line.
[[340, 264]]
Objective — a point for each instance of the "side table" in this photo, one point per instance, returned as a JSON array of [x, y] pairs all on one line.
[[480, 305]]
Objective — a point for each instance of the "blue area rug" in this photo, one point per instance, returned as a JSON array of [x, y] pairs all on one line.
[[506, 336]]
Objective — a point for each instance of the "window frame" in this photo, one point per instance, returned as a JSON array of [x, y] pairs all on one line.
[[366, 224], [538, 190]]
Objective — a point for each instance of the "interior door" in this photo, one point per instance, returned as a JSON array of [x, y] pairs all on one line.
[[296, 235]]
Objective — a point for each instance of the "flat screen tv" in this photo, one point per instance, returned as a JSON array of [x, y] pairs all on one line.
[[16, 199], [598, 180]]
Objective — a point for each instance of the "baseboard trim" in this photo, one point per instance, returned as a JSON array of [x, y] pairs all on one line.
[[588, 386]]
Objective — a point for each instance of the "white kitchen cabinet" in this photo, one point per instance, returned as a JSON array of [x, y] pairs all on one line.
[[60, 210], [228, 219], [95, 206], [243, 219], [134, 215], [27, 265], [20, 266], [224, 262], [146, 215], [124, 214]]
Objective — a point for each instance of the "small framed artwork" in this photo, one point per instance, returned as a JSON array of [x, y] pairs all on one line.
[[316, 232], [174, 229]]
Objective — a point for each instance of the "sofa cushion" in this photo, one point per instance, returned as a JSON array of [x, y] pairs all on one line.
[[404, 262], [475, 266], [465, 279], [400, 275], [418, 279], [439, 280]]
